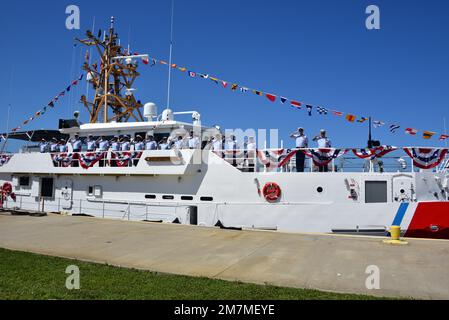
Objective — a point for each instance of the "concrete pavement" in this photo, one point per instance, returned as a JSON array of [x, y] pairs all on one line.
[[324, 262]]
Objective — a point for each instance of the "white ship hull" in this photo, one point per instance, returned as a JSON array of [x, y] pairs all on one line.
[[216, 193]]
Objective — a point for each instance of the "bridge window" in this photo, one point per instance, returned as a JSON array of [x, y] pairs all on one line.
[[24, 181]]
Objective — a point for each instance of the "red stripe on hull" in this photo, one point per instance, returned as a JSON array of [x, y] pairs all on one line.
[[431, 220]]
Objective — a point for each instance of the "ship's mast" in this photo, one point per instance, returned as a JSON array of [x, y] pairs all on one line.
[[112, 80]]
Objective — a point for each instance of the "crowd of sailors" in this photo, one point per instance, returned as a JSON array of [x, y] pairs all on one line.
[[217, 144], [126, 143]]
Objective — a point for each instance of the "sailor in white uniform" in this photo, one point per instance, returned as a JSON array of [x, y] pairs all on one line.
[[91, 144], [139, 145], [302, 142], [164, 145], [150, 143], [115, 147], [103, 145], [194, 142], [323, 142], [115, 144], [76, 143], [251, 149], [126, 145], [54, 145], [217, 144], [63, 146], [43, 146], [179, 144], [233, 145]]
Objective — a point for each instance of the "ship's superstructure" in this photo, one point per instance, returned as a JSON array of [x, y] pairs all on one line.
[[235, 188]]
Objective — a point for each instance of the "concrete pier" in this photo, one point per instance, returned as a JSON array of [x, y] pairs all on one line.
[[325, 262]]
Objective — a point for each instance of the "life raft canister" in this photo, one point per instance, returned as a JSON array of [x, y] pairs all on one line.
[[271, 192]]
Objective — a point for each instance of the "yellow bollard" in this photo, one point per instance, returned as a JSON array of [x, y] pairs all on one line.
[[395, 232]]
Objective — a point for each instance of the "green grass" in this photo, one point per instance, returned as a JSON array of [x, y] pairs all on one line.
[[31, 276]]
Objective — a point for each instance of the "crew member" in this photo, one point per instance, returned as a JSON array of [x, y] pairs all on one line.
[[91, 143], [115, 144], [138, 144], [217, 144], [43, 146], [194, 142], [76, 147], [150, 143], [54, 145], [302, 142], [115, 147], [251, 150], [163, 144], [126, 145], [179, 144], [63, 146], [76, 143], [323, 142], [103, 146], [232, 146]]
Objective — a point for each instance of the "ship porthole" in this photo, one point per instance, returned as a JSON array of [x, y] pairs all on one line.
[[320, 189]]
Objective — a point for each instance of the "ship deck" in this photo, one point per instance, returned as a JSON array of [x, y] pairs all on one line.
[[324, 262]]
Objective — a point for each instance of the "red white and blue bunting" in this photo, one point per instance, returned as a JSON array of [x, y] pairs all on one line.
[[373, 153], [426, 158], [124, 159], [88, 160], [63, 159], [322, 157], [270, 158]]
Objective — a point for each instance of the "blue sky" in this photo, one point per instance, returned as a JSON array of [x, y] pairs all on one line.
[[318, 52]]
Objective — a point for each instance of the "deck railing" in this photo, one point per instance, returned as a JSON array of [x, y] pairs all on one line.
[[269, 160]]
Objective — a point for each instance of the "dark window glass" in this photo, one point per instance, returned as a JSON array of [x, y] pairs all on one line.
[[24, 181], [376, 191], [47, 187]]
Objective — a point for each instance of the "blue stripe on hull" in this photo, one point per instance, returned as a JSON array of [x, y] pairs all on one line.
[[400, 214]]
